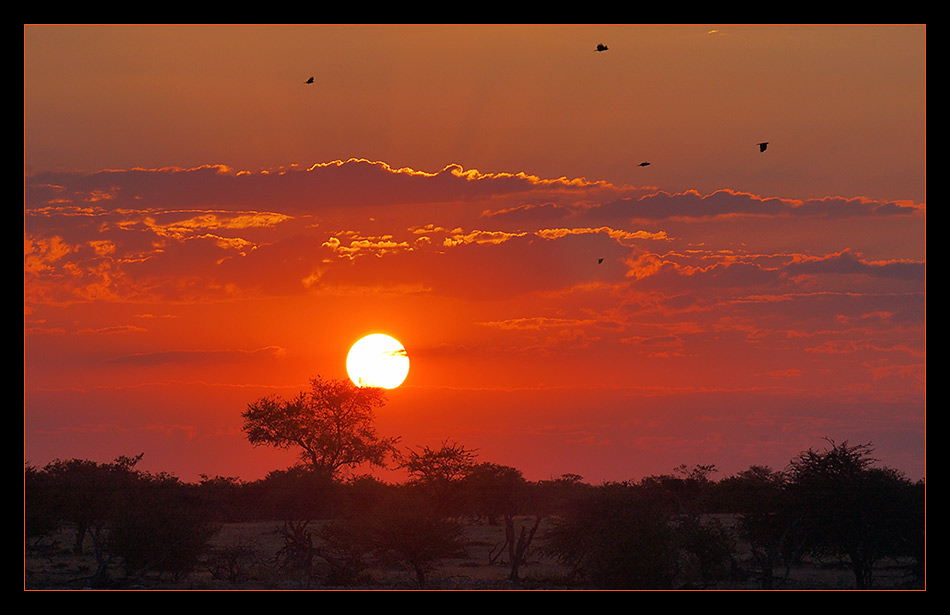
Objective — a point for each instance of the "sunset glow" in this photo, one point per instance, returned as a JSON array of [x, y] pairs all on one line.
[[203, 228]]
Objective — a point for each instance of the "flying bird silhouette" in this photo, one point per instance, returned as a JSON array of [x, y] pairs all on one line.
[[644, 164], [763, 145], [601, 47], [310, 80]]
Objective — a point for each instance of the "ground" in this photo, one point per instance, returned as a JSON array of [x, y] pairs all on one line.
[[243, 558]]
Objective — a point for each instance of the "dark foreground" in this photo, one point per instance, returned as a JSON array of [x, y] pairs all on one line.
[[243, 557]]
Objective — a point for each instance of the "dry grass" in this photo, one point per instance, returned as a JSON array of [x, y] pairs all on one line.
[[242, 557]]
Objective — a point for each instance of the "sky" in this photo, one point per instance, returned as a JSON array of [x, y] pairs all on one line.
[[203, 228]]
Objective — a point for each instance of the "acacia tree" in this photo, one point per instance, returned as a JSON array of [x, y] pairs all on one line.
[[87, 494], [332, 424], [162, 527], [39, 513], [501, 491], [400, 531], [848, 507], [394, 527], [617, 536], [438, 473], [767, 520]]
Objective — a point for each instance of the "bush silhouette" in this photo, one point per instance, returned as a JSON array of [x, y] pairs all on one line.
[[618, 537], [160, 528]]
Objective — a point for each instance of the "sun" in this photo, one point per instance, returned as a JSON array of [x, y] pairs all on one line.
[[377, 360]]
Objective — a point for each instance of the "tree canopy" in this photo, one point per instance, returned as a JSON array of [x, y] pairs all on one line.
[[849, 507], [333, 425]]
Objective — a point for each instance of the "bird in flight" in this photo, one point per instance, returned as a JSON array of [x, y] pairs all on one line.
[[601, 47], [644, 164], [310, 80], [763, 145]]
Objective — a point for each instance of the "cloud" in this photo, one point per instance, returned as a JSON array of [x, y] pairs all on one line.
[[377, 246], [528, 213], [330, 186], [194, 225], [211, 233], [848, 263], [538, 323], [723, 203], [621, 236], [195, 357], [40, 254], [480, 237]]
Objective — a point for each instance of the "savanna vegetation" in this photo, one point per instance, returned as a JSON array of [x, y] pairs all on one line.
[[833, 518]]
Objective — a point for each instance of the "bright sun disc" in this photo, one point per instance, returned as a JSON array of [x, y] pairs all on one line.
[[377, 360]]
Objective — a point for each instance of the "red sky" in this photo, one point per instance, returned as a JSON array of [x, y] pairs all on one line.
[[201, 229]]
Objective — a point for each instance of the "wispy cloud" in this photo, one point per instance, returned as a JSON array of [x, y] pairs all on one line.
[[196, 357]]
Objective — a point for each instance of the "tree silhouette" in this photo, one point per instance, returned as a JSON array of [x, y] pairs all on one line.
[[766, 519], [152, 523], [495, 491], [161, 527], [438, 473], [297, 552], [87, 494], [393, 527], [850, 508], [332, 424], [706, 550], [661, 532], [685, 490], [617, 536], [39, 512], [294, 493], [416, 536]]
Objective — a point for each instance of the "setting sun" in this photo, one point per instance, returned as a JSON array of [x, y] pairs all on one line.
[[377, 360]]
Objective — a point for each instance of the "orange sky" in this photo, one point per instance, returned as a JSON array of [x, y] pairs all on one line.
[[201, 228]]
